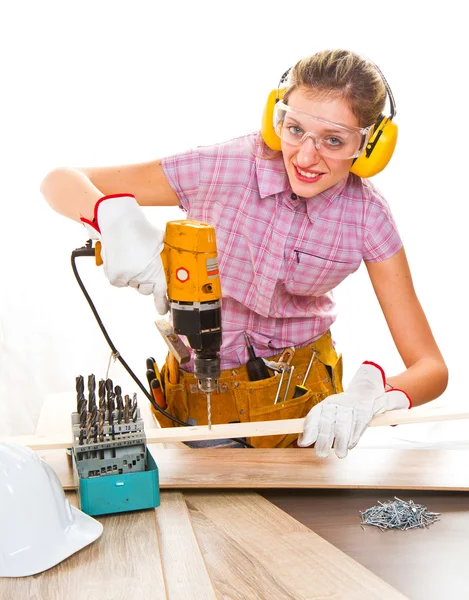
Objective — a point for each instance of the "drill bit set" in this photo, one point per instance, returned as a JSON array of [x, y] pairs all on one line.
[[109, 441]]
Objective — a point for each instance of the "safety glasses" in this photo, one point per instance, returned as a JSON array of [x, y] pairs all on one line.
[[331, 139]]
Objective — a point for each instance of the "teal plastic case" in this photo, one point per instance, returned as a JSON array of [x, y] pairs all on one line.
[[119, 493]]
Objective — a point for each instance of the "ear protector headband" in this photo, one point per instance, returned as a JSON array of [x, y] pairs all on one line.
[[378, 150]]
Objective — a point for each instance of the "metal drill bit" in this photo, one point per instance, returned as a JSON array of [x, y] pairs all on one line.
[[102, 394], [88, 427], [119, 403], [209, 412], [80, 388], [111, 424], [91, 391], [94, 414], [111, 407], [101, 417], [83, 416], [134, 408], [81, 439], [81, 404], [119, 399], [109, 387], [126, 408]]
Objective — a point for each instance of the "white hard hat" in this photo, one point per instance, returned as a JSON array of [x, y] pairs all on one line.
[[38, 526]]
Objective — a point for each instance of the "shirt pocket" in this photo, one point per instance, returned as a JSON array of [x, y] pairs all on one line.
[[309, 274]]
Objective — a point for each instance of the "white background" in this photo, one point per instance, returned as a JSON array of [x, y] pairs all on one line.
[[108, 82]]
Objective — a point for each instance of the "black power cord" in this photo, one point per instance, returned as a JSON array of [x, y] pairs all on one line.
[[88, 250]]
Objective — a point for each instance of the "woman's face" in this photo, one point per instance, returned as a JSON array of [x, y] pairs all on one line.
[[308, 171]]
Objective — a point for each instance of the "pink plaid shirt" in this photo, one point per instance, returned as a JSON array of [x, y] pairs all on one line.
[[280, 256]]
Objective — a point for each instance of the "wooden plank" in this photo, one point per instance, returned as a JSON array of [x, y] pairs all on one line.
[[255, 550], [184, 569], [239, 430], [123, 563], [300, 468], [61, 462]]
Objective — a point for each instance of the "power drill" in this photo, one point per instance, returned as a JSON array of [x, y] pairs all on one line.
[[190, 263], [193, 287]]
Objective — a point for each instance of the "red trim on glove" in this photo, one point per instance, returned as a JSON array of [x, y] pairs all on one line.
[[94, 222], [369, 362], [406, 394]]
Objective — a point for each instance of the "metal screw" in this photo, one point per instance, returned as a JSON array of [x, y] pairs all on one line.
[[398, 514]]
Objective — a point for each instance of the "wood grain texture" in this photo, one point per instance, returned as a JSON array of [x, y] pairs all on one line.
[[123, 563], [184, 569], [255, 550], [51, 438], [300, 468]]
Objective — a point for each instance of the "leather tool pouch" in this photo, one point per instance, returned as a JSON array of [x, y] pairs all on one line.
[[241, 400]]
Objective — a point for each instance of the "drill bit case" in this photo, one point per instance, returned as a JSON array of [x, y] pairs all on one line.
[[116, 473]]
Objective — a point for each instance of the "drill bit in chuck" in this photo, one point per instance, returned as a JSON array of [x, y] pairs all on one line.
[[209, 412]]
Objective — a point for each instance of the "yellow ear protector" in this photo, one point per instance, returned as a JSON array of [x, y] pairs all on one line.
[[378, 150]]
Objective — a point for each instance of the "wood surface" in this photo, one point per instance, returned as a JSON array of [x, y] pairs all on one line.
[[423, 564], [184, 569], [63, 439], [255, 550], [299, 468], [123, 563]]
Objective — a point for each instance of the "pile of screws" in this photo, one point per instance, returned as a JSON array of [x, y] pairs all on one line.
[[398, 514]]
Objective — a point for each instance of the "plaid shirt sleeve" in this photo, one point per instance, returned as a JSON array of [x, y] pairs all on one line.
[[183, 174]]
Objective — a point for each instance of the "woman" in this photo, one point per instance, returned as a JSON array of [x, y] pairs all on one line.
[[290, 226]]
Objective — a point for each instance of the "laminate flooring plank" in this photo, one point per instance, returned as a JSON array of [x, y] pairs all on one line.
[[185, 573], [61, 462], [123, 563], [437, 470], [301, 468], [255, 550]]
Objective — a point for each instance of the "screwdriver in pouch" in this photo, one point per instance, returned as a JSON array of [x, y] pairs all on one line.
[[157, 393], [300, 390], [255, 366]]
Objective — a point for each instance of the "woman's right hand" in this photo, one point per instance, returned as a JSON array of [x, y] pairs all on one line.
[[131, 247]]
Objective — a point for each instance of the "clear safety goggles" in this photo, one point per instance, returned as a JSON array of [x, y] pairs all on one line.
[[331, 139]]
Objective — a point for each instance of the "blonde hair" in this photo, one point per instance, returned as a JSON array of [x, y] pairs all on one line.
[[343, 74]]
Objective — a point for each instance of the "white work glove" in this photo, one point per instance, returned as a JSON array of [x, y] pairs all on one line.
[[341, 419], [131, 247]]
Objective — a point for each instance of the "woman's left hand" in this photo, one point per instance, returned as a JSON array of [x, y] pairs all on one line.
[[341, 419]]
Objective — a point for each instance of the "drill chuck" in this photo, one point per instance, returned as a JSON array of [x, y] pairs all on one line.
[[207, 371]]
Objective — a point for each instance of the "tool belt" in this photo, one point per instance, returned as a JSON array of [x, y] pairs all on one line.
[[242, 400]]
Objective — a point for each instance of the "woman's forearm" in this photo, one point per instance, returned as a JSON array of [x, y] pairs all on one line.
[[424, 381], [70, 193]]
